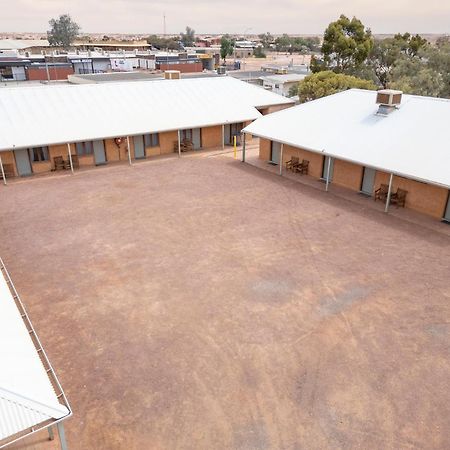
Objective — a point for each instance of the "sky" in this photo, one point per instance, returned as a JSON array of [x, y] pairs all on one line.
[[226, 16]]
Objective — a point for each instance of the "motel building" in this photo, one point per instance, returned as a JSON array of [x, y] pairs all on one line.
[[48, 128], [386, 145]]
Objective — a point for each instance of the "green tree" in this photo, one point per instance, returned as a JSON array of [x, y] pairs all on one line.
[[414, 76], [346, 44], [63, 31], [170, 43], [327, 82], [383, 57], [259, 52], [438, 59], [188, 38], [410, 45], [266, 39], [283, 43], [226, 47]]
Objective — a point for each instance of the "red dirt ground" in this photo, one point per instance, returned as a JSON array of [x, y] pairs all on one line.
[[201, 303]]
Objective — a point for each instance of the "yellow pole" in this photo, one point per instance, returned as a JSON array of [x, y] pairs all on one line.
[[234, 143]]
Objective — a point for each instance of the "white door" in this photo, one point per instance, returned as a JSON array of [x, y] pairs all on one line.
[[368, 181], [139, 150], [196, 138], [99, 152], [23, 162], [275, 150]]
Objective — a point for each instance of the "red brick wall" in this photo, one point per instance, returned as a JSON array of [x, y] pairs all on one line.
[[56, 73], [183, 68]]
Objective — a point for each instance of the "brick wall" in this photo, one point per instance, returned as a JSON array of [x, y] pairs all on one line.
[[55, 73], [347, 174], [315, 159], [8, 158], [212, 136]]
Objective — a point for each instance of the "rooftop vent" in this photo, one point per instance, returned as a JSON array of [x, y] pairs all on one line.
[[388, 99], [172, 74]]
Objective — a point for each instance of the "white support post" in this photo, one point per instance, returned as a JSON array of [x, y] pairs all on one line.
[[129, 150], [327, 183], [179, 143], [70, 158], [388, 197], [223, 137], [243, 147], [3, 171], [281, 159], [62, 436], [51, 435]]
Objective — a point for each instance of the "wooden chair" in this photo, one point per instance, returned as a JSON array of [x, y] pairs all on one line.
[[303, 168], [9, 171], [399, 198], [381, 193], [58, 163], [292, 163]]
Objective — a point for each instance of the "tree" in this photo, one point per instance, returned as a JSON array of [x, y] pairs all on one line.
[[283, 43], [63, 31], [410, 45], [170, 43], [266, 39], [414, 76], [346, 44], [259, 52], [327, 82], [226, 47], [383, 57], [188, 38]]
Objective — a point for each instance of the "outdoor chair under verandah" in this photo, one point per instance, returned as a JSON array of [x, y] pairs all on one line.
[[292, 163], [399, 198], [381, 193], [9, 171], [75, 163], [303, 167], [58, 163]]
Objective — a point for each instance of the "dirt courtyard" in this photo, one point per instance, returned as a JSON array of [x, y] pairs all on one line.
[[203, 303]]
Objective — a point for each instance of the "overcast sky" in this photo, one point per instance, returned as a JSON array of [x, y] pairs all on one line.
[[232, 16]]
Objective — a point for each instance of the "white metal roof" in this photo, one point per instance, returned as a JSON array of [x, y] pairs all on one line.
[[412, 141], [284, 78], [27, 397], [57, 114], [20, 44]]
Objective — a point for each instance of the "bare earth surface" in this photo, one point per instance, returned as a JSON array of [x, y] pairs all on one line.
[[202, 303]]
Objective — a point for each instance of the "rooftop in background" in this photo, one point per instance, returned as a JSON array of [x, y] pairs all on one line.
[[22, 44], [287, 78], [129, 76], [71, 113], [112, 43], [411, 141]]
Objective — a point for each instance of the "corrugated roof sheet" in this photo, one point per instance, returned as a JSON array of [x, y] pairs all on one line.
[[27, 397], [57, 114], [412, 141]]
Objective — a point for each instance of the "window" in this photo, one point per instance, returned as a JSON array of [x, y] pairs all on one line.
[[38, 154], [151, 140], [84, 148]]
